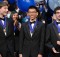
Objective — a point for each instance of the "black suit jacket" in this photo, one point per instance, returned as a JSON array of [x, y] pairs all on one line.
[[6, 42], [52, 37], [34, 44]]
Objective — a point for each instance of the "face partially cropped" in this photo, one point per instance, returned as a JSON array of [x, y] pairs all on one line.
[[32, 13], [58, 14], [4, 10]]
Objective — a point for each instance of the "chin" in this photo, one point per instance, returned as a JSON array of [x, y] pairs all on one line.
[[5, 14], [32, 18]]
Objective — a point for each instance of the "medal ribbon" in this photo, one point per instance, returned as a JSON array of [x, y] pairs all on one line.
[[3, 25], [32, 29], [57, 27]]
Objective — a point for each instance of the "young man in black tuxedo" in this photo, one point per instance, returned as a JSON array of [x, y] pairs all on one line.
[[6, 32], [53, 35], [32, 36]]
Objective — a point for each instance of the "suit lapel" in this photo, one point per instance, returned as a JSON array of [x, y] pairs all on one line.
[[35, 29], [28, 29], [1, 28], [56, 30], [6, 27]]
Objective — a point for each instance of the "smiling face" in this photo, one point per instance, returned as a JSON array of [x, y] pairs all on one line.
[[4, 10], [32, 13], [15, 16]]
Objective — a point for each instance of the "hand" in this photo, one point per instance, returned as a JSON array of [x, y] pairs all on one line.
[[20, 55], [58, 42], [39, 55], [0, 55], [54, 50]]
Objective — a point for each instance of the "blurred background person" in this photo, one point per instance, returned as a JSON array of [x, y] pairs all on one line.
[[17, 27]]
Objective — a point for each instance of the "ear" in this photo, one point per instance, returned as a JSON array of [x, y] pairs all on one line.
[[37, 13]]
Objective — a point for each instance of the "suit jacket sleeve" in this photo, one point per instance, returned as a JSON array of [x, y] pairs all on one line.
[[48, 38], [42, 32], [21, 37]]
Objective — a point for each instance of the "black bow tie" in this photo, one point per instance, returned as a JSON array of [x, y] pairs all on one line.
[[2, 19], [58, 22], [32, 22]]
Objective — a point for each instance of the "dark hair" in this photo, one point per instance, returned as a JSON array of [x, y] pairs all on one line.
[[57, 8], [33, 7], [12, 13], [3, 4]]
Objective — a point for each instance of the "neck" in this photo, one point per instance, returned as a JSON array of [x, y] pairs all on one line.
[[1, 16]]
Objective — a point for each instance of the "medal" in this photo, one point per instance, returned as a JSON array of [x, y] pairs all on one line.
[[4, 30], [14, 33], [59, 34]]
